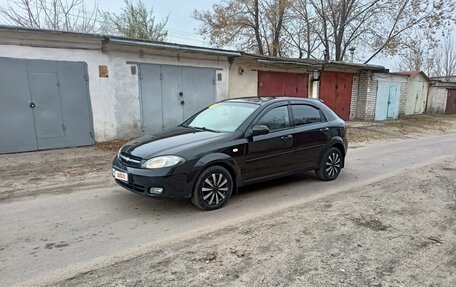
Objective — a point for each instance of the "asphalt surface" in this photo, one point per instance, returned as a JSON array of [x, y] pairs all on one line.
[[53, 237]]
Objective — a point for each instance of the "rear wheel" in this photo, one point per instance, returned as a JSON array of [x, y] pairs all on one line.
[[213, 188], [331, 165]]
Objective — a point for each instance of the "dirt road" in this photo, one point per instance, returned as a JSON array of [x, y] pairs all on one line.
[[396, 232], [58, 235]]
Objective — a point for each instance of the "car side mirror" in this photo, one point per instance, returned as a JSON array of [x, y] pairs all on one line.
[[259, 130]]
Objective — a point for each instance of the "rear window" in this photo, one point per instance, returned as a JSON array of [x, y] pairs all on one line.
[[305, 114]]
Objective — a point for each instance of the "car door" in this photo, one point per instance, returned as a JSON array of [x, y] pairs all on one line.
[[311, 134], [271, 153]]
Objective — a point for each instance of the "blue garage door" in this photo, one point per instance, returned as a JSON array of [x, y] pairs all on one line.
[[387, 104]]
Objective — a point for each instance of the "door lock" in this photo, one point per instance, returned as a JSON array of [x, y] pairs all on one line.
[[32, 105], [181, 98]]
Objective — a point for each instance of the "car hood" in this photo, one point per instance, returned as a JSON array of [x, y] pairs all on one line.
[[169, 142]]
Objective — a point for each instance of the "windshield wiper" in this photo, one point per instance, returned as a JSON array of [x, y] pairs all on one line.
[[204, 129]]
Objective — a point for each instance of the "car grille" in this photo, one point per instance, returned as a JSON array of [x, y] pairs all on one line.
[[132, 186], [130, 160]]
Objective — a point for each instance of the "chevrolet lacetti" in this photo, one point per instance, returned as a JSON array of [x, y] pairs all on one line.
[[234, 143]]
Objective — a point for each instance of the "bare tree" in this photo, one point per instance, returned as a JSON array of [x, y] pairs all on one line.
[[308, 27], [251, 25], [65, 15], [302, 35], [136, 21], [446, 59], [404, 20]]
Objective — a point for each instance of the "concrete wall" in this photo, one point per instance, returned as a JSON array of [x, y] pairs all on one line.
[[243, 80], [437, 100], [115, 100]]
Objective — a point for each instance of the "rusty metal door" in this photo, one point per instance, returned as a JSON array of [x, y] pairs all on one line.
[[451, 102], [279, 84], [335, 91]]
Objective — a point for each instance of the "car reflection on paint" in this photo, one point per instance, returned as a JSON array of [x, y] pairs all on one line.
[[231, 144]]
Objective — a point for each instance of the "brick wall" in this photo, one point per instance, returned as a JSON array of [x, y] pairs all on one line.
[[371, 98], [354, 97], [366, 98], [403, 99]]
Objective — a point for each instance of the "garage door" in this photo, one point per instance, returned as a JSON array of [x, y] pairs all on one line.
[[335, 91], [44, 104], [171, 94], [278, 84], [387, 103], [451, 102]]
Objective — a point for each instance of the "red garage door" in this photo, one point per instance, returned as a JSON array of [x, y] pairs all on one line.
[[451, 102], [335, 91], [277, 84]]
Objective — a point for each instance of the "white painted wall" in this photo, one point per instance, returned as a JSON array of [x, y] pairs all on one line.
[[437, 100], [115, 100], [243, 84]]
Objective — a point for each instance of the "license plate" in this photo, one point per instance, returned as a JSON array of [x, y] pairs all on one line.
[[120, 175]]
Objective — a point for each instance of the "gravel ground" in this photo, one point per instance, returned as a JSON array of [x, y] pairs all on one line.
[[67, 170], [369, 132], [397, 232]]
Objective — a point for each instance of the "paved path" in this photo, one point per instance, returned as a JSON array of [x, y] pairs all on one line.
[[56, 236]]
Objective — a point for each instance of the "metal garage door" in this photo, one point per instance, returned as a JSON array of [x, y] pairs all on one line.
[[451, 102], [44, 104], [387, 104], [170, 94], [335, 91], [273, 84]]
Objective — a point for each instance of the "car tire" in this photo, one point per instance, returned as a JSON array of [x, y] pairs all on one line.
[[213, 188], [331, 165]]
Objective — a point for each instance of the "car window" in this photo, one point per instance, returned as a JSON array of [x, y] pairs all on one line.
[[276, 119], [223, 117], [304, 114]]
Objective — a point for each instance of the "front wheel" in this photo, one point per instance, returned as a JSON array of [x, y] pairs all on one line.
[[213, 188], [331, 165]]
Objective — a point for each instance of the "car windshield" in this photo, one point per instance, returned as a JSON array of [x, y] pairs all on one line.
[[221, 117]]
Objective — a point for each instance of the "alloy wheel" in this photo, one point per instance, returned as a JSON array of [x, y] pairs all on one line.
[[214, 189], [333, 164]]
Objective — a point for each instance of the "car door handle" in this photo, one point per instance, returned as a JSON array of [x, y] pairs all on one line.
[[286, 138], [324, 129]]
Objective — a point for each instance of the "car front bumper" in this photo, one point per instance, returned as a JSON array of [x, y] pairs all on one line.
[[173, 181]]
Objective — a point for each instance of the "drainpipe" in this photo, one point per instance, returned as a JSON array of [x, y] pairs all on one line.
[[316, 81]]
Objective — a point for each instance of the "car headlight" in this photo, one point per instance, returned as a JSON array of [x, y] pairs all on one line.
[[118, 153], [163, 161]]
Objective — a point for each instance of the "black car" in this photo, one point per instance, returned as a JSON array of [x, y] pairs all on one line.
[[233, 143]]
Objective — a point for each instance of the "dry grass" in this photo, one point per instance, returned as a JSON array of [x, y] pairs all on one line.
[[110, 145], [359, 132]]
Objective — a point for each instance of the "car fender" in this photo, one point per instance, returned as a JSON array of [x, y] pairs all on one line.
[[213, 159]]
